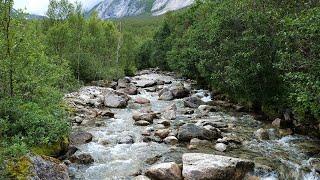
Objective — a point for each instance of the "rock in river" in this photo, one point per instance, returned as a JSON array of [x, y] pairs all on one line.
[[114, 99], [197, 166], [189, 131], [164, 171], [80, 137]]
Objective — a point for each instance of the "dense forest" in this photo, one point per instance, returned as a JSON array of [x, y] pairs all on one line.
[[264, 55]]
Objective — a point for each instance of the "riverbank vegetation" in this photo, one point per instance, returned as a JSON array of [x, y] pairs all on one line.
[[264, 55]]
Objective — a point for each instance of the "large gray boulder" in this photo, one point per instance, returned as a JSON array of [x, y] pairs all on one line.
[[197, 166], [192, 102], [44, 167], [114, 99], [164, 171], [190, 131], [80, 137], [179, 91]]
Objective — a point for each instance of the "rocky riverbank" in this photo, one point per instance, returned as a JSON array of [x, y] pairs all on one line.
[[157, 126]]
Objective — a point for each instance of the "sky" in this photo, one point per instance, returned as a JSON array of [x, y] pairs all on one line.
[[40, 6]]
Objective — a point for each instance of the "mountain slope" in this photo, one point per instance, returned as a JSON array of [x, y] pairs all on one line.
[[123, 8]]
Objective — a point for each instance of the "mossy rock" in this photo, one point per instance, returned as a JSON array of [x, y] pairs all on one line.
[[52, 150], [19, 169]]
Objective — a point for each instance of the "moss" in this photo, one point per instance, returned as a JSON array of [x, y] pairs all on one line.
[[19, 169], [53, 150]]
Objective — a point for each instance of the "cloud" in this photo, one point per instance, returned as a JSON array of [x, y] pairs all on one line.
[[40, 6]]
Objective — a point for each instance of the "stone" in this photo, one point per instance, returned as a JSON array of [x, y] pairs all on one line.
[[262, 134], [164, 171], [207, 108], [285, 132], [166, 96], [129, 139], [179, 91], [192, 102], [196, 143], [162, 133], [221, 147], [170, 113], [130, 89], [114, 99], [164, 122], [137, 116], [141, 123], [141, 177], [141, 100], [44, 167], [198, 166], [171, 140], [107, 113], [145, 83], [188, 131], [81, 159], [281, 123], [80, 137]]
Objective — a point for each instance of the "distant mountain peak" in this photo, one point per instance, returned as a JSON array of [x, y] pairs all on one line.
[[107, 9]]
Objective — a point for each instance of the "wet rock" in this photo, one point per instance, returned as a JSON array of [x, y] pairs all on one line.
[[106, 113], [189, 131], [142, 123], [170, 113], [196, 143], [159, 126], [141, 177], [281, 123], [153, 160], [221, 147], [80, 137], [160, 82], [171, 140], [315, 164], [166, 96], [151, 89], [192, 102], [82, 159], [114, 99], [130, 89], [137, 116], [164, 171], [129, 139], [179, 91], [145, 83], [44, 167], [187, 111], [285, 132], [162, 133], [152, 139], [164, 122], [141, 100], [197, 166], [211, 122], [262, 134], [230, 140], [207, 108]]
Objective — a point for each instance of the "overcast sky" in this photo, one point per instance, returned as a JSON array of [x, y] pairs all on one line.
[[40, 6]]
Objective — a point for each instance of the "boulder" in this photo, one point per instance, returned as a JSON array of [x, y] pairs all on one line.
[[221, 147], [179, 91], [114, 99], [166, 96], [282, 123], [192, 102], [162, 133], [144, 83], [81, 159], [141, 123], [262, 134], [188, 131], [80, 137], [130, 89], [170, 113], [171, 140], [196, 143], [137, 116], [141, 100], [197, 166], [164, 171], [44, 167], [129, 139], [164, 122]]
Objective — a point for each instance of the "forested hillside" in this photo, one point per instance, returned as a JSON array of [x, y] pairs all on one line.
[[264, 55]]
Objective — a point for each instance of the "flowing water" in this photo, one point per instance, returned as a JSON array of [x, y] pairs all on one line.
[[285, 157]]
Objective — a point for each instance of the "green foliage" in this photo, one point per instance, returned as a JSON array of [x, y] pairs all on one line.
[[262, 54]]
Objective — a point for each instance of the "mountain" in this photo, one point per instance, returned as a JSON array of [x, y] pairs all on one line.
[[108, 9]]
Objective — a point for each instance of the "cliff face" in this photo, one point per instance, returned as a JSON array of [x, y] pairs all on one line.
[[122, 8]]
